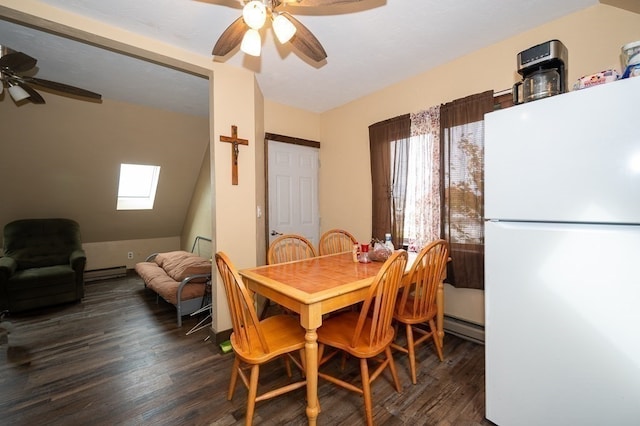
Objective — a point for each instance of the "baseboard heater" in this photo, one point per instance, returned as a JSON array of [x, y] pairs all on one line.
[[465, 329], [105, 273]]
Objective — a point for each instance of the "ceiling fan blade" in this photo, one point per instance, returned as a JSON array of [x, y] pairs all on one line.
[[305, 41], [314, 3], [61, 87], [17, 62], [33, 95], [230, 38]]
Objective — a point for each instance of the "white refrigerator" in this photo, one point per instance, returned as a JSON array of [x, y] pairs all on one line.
[[562, 259]]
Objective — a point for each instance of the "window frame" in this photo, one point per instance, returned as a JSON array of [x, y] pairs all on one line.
[[131, 194]]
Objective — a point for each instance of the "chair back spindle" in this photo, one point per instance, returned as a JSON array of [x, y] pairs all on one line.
[[244, 318], [379, 305], [426, 273], [288, 248], [257, 342], [336, 241], [417, 303]]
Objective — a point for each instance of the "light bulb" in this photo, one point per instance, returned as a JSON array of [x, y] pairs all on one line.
[[251, 43], [18, 93], [283, 28], [254, 14]]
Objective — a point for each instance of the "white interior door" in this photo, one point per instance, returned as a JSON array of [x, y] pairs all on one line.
[[293, 190]]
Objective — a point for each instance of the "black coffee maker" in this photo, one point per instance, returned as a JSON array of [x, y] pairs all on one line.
[[543, 71]]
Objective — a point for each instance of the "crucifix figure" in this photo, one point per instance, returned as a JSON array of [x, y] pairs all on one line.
[[235, 151]]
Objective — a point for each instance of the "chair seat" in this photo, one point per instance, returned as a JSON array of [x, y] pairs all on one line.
[[407, 317], [337, 332], [283, 334]]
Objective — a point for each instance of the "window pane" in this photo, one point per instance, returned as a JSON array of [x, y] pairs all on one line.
[[466, 182], [422, 209], [137, 186]]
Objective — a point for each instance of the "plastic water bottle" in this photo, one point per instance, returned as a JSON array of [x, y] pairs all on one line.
[[388, 243]]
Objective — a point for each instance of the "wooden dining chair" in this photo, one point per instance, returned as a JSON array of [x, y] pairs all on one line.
[[336, 241], [366, 334], [417, 301], [290, 247], [287, 248], [257, 342]]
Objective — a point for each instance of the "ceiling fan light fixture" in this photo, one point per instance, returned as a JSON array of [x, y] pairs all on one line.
[[283, 28], [17, 93], [251, 43], [254, 14]]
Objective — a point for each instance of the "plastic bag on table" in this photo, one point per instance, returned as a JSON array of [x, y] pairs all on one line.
[[380, 252]]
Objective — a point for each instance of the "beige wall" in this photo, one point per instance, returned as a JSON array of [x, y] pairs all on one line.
[[235, 101], [107, 254], [62, 159], [198, 219], [288, 121], [260, 166], [593, 38]]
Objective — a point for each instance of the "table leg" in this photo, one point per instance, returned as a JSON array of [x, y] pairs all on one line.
[[311, 355], [440, 312]]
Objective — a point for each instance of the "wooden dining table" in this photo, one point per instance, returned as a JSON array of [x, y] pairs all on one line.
[[315, 287]]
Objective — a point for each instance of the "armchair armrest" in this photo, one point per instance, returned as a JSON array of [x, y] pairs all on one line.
[[7, 267], [77, 260]]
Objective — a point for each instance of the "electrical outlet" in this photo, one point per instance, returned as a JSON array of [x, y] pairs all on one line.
[[130, 255]]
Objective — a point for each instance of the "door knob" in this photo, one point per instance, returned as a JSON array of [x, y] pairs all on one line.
[[274, 233]]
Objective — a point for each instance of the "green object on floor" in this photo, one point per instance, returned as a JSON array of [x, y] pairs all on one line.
[[226, 346]]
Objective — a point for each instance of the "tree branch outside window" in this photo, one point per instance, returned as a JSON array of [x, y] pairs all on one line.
[[462, 139]]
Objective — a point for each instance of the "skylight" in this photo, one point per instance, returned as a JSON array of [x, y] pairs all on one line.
[[137, 187]]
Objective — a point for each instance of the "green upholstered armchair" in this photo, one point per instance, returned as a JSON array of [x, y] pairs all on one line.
[[43, 264]]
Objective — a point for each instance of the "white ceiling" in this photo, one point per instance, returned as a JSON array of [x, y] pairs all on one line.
[[370, 44]]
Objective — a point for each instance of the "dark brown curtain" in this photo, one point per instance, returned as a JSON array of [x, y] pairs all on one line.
[[462, 168], [387, 188]]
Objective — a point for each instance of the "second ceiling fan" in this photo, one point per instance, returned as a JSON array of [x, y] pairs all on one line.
[[244, 31], [15, 68]]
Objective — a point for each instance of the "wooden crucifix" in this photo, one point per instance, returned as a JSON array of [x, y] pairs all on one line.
[[235, 151]]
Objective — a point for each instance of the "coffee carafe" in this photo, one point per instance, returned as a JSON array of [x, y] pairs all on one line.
[[540, 84], [543, 70]]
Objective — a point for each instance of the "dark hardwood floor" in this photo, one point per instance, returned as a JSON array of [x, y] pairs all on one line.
[[118, 358]]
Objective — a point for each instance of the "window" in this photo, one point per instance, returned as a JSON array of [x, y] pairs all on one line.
[[405, 167], [137, 187], [464, 187], [427, 182], [462, 138], [422, 196]]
